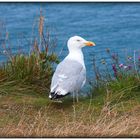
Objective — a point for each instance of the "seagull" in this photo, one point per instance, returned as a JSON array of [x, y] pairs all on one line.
[[70, 74]]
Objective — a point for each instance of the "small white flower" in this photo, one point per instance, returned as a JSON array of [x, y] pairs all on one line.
[[125, 67], [4, 51]]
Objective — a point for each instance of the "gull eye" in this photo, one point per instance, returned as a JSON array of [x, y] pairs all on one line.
[[78, 40]]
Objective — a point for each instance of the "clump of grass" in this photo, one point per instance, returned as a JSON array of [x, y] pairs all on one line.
[[34, 67], [119, 81]]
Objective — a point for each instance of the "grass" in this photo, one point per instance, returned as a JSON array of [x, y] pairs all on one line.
[[36, 66], [25, 112], [111, 110]]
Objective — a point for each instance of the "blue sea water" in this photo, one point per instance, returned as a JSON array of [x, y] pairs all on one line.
[[110, 25]]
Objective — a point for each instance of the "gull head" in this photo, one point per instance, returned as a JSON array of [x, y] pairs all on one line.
[[77, 42]]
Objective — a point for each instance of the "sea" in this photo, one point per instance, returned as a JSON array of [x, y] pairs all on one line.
[[112, 26]]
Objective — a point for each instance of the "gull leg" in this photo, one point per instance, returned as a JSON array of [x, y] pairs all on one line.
[[73, 97], [77, 97]]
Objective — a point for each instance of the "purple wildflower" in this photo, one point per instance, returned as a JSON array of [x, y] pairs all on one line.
[[129, 67], [129, 58], [121, 65], [114, 56], [139, 58], [114, 69]]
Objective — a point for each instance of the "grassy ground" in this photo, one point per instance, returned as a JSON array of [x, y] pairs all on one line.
[[26, 111]]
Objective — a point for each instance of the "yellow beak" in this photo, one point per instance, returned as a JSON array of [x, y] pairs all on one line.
[[89, 43]]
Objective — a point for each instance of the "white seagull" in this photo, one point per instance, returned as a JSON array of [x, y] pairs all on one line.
[[70, 74]]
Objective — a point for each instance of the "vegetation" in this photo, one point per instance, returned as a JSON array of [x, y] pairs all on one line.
[[120, 81], [111, 110], [36, 67]]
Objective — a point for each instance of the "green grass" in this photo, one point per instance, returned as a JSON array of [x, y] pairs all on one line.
[[23, 105]]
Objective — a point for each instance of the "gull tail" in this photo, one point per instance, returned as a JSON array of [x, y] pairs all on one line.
[[55, 95]]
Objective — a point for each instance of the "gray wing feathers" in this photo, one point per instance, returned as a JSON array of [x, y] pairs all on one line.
[[69, 76]]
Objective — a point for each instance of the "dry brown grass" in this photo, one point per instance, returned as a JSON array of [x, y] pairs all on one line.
[[57, 122]]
